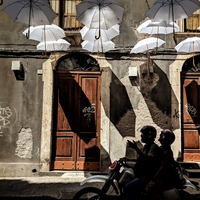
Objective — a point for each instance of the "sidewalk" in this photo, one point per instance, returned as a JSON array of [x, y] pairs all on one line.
[[43, 187], [50, 187]]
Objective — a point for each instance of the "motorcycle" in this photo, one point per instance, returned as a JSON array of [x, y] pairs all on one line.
[[120, 173]]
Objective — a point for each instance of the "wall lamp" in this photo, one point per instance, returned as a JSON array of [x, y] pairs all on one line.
[[132, 72], [18, 70]]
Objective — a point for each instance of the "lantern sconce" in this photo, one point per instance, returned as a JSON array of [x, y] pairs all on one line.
[[132, 72], [18, 70]]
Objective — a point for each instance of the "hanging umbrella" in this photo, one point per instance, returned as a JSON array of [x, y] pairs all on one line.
[[106, 35], [171, 10], [99, 14], [31, 12], [162, 27], [189, 45], [59, 45], [146, 44], [45, 32], [98, 46]]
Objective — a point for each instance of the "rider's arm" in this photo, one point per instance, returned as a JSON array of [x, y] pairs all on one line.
[[146, 157]]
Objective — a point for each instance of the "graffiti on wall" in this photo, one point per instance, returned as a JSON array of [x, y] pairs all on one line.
[[191, 110], [88, 111], [7, 116], [176, 114]]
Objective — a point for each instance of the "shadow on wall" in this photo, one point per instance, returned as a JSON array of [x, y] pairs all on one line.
[[189, 67], [121, 110], [157, 92]]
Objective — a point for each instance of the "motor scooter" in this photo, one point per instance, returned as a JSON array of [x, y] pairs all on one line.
[[120, 173]]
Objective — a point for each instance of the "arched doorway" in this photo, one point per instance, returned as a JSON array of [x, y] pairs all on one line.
[[190, 85], [76, 115]]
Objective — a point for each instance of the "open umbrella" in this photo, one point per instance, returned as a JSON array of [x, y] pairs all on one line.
[[31, 12], [147, 44], [189, 45], [171, 10], [98, 46], [45, 32], [106, 35], [162, 27], [99, 14], [59, 45]]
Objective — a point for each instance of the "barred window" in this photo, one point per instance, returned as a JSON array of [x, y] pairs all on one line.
[[66, 10]]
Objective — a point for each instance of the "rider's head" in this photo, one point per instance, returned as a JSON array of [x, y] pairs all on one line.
[[167, 137], [148, 134]]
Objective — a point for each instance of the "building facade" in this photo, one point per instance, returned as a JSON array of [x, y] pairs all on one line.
[[74, 110]]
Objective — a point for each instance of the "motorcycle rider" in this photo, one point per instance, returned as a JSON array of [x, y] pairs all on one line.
[[146, 165], [165, 177]]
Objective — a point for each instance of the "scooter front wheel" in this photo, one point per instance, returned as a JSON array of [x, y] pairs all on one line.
[[88, 193]]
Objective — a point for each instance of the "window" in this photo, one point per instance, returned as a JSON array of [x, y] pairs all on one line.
[[190, 24], [66, 10]]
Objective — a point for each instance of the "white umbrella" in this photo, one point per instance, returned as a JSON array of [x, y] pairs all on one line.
[[99, 14], [45, 32], [98, 46], [189, 45], [146, 44], [151, 27], [171, 10], [106, 35], [31, 12], [59, 45]]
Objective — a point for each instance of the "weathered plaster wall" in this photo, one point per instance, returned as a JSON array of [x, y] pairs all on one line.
[[127, 105], [20, 117]]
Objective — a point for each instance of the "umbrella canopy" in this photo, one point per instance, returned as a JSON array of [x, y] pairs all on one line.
[[101, 14], [189, 45], [146, 44], [31, 12], [171, 10], [98, 46], [45, 32], [106, 35], [59, 45], [162, 27]]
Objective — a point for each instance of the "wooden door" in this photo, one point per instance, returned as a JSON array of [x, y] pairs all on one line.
[[76, 135], [191, 116]]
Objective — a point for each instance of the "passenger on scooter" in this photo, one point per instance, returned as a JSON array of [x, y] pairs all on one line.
[[165, 178], [146, 165]]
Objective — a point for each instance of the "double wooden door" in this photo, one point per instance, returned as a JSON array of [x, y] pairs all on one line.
[[191, 116], [76, 132]]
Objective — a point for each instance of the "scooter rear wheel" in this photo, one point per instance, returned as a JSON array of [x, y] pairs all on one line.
[[88, 193]]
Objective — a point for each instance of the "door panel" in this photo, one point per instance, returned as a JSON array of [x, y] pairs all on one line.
[[76, 141], [191, 116], [88, 140]]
